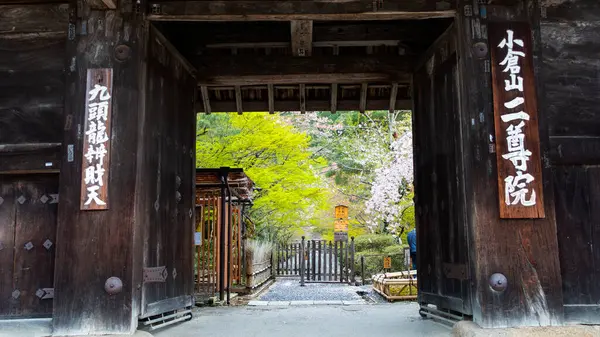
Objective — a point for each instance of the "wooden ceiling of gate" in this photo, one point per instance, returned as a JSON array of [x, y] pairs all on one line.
[[303, 65]]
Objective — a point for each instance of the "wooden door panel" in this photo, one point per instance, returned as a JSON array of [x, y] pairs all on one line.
[[35, 235], [7, 237]]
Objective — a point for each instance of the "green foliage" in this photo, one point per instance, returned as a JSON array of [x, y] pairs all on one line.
[[276, 157], [374, 242]]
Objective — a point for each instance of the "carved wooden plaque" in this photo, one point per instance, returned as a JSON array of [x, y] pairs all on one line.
[[96, 140], [516, 121]]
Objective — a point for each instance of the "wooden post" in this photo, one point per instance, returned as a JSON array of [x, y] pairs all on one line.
[[314, 260], [319, 261], [330, 250], [98, 247], [514, 263], [352, 277], [362, 269], [307, 252], [336, 261], [302, 262]]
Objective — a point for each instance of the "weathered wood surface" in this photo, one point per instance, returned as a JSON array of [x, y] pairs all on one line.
[[299, 10], [439, 185], [570, 71], [166, 190], [7, 233], [256, 70], [32, 50], [42, 160], [525, 251], [27, 221], [91, 247], [311, 105]]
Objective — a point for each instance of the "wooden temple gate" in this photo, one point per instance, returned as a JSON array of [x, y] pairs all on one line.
[[316, 261], [111, 88], [213, 200]]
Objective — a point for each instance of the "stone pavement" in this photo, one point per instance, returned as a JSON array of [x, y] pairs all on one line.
[[384, 320]]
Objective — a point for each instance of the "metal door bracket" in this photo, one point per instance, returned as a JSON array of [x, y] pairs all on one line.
[[155, 274]]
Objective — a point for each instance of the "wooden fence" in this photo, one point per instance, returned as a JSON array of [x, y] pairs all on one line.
[[317, 261]]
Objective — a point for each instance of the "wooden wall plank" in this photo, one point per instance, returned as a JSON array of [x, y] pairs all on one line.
[[33, 42], [33, 18], [578, 219], [570, 75], [570, 72]]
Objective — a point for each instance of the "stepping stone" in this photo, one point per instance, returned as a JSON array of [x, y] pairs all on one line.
[[302, 302], [279, 303], [359, 302], [258, 303]]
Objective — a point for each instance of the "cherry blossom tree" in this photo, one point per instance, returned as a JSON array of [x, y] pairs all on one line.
[[391, 184]]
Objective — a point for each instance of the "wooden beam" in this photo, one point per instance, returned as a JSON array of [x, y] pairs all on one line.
[[205, 99], [393, 95], [363, 97], [172, 50], [294, 79], [102, 4], [311, 105], [334, 92], [271, 92], [230, 70], [238, 100], [321, 10], [302, 34], [302, 98]]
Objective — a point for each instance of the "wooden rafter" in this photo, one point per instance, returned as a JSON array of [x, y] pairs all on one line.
[[311, 105], [322, 10], [294, 70], [301, 37]]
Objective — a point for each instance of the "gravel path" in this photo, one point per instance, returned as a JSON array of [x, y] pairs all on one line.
[[289, 289]]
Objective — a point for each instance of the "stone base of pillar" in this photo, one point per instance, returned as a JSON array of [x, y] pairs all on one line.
[[470, 329]]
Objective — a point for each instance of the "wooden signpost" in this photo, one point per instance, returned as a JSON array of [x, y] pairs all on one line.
[[516, 122], [387, 262], [96, 140], [340, 232]]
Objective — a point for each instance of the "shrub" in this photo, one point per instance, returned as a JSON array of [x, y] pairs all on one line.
[[373, 242]]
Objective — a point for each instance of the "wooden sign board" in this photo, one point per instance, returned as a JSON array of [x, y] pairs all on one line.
[[340, 236], [387, 263], [341, 212], [96, 140], [407, 263], [340, 226], [520, 187]]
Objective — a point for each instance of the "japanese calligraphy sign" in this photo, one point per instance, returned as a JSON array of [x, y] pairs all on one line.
[[96, 140], [341, 212], [516, 122]]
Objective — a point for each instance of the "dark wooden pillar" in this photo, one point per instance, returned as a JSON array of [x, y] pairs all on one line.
[[524, 251], [95, 288]]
